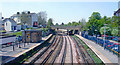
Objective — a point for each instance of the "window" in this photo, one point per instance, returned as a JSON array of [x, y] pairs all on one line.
[[14, 27]]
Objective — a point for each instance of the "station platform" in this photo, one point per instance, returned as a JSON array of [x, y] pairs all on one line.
[[107, 57], [7, 54]]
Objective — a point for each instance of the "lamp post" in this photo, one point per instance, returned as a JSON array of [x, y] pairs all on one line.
[[19, 39], [88, 31], [96, 35], [104, 35], [93, 29], [13, 46]]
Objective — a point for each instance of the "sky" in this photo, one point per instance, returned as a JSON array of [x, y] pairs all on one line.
[[60, 11]]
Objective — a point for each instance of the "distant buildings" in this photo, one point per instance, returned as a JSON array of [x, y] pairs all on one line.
[[22, 20], [31, 19], [16, 18], [117, 13], [1, 22], [34, 19], [9, 24]]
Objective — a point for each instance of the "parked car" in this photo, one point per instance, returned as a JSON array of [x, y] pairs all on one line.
[[116, 39]]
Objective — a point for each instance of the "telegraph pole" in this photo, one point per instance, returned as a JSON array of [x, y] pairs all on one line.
[[104, 35]]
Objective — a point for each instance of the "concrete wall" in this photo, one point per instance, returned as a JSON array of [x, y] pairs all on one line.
[[32, 36]]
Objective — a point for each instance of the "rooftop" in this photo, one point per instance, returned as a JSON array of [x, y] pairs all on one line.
[[11, 20], [118, 11]]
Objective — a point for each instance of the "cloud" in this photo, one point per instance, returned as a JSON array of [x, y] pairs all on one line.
[[59, 0]]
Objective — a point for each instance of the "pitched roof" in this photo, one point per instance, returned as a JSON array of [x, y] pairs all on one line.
[[11, 20], [118, 11]]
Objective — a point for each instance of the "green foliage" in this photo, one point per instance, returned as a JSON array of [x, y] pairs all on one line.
[[92, 54], [69, 24], [114, 31], [42, 16], [50, 23], [95, 15], [2, 30], [25, 18], [16, 33], [24, 54], [108, 30], [29, 28], [96, 22]]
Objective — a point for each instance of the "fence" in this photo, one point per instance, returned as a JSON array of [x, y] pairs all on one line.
[[112, 47]]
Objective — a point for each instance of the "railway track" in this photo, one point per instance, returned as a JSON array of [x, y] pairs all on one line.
[[62, 50], [41, 52], [71, 52], [58, 51], [55, 52], [64, 54], [87, 59], [49, 54], [46, 56]]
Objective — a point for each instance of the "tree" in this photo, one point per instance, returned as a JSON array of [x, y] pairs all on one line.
[[56, 24], [42, 18], [25, 18], [50, 22], [114, 31], [94, 21], [95, 15], [108, 30], [82, 21], [74, 23], [69, 24]]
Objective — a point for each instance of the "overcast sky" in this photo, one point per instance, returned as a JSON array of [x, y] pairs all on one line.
[[60, 10]]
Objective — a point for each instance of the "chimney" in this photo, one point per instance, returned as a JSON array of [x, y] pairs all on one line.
[[28, 12], [18, 13]]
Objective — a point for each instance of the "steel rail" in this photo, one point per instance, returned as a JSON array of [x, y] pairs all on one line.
[[64, 55]]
